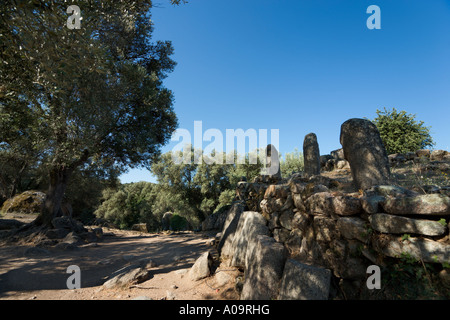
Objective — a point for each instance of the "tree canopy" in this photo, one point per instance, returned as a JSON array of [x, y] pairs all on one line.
[[87, 97]]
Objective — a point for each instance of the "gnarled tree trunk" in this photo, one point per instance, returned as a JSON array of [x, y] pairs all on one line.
[[59, 178]]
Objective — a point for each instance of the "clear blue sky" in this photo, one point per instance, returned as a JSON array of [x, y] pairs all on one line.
[[305, 66]]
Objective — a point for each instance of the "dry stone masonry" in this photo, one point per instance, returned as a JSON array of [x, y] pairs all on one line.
[[308, 237]]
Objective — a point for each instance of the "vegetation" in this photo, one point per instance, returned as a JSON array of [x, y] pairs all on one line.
[[81, 99], [401, 133], [291, 162], [407, 278]]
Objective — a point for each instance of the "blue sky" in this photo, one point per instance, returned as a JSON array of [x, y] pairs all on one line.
[[304, 66]]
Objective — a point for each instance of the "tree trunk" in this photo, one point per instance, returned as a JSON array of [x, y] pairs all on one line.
[[53, 201]]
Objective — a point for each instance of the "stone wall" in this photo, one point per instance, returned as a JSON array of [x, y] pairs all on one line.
[[319, 227], [294, 237]]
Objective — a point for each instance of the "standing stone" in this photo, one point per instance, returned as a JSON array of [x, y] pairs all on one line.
[[364, 150], [311, 155]]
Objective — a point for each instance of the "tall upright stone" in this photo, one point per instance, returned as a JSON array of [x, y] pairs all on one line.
[[311, 155], [364, 150]]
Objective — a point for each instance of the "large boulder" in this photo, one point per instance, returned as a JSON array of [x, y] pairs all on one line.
[[166, 221], [364, 150], [224, 246], [264, 269], [251, 224], [304, 282], [26, 202]]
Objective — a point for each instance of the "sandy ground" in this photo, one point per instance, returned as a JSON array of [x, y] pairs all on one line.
[[43, 276]]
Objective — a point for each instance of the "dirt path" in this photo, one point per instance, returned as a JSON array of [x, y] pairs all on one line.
[[42, 275]]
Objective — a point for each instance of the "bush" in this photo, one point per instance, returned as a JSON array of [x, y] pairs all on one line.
[[178, 223], [130, 204], [401, 133]]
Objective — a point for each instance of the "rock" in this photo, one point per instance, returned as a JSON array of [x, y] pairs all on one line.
[[6, 224], [281, 235], [296, 187], [216, 220], [264, 270], [324, 159], [26, 202], [202, 267], [342, 164], [222, 278], [371, 204], [387, 223], [251, 224], [425, 249], [364, 150], [229, 230], [127, 276], [444, 276], [319, 203], [389, 191], [286, 219], [170, 295], [277, 191], [56, 233], [68, 223], [438, 155], [288, 204], [304, 282], [346, 205], [294, 242], [300, 221], [428, 204], [325, 229], [298, 202], [142, 227], [166, 221], [313, 188], [396, 158], [426, 153], [98, 232], [353, 228], [147, 263], [311, 155], [72, 238], [338, 154]]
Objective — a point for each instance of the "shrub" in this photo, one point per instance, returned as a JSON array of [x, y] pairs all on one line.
[[401, 133]]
